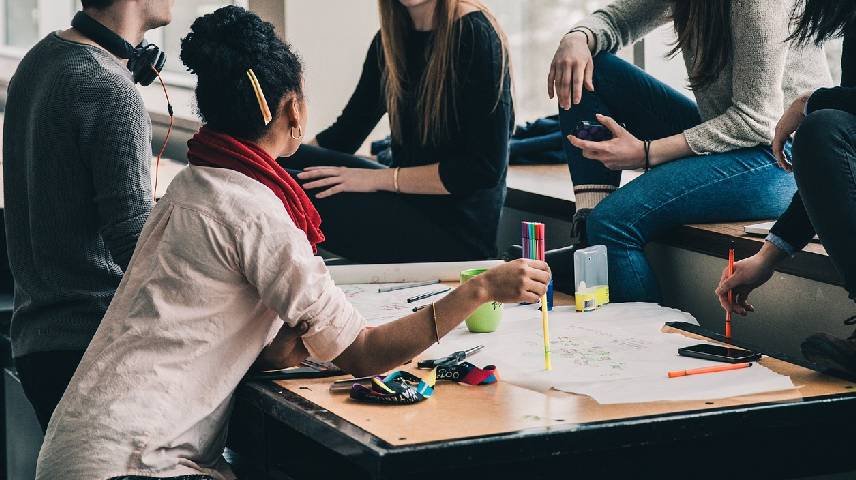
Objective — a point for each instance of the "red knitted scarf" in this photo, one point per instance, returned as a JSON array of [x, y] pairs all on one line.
[[209, 148]]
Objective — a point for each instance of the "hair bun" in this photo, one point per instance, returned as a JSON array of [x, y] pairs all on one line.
[[226, 42]]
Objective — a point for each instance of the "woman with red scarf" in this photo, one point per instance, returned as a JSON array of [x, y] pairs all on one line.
[[224, 276]]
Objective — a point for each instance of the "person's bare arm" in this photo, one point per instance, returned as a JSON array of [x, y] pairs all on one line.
[[423, 180], [376, 350]]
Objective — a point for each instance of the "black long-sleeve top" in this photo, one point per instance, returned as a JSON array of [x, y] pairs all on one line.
[[473, 161], [794, 226]]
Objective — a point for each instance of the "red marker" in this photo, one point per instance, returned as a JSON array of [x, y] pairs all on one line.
[[730, 293], [718, 368]]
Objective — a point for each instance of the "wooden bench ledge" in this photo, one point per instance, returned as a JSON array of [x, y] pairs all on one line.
[[546, 190]]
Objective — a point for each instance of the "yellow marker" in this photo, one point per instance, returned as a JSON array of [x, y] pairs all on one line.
[[382, 385], [545, 325]]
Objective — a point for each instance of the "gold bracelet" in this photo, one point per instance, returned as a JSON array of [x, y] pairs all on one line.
[[434, 317], [395, 179]]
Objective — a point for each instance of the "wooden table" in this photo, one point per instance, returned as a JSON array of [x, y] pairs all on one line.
[[298, 429]]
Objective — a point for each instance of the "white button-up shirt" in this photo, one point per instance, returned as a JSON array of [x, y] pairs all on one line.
[[217, 266]]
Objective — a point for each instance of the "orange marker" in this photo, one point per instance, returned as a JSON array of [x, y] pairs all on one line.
[[718, 368], [730, 293]]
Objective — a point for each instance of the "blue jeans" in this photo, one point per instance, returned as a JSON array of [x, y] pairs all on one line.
[[743, 184]]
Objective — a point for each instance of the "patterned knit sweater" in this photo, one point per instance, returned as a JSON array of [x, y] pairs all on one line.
[[76, 162]]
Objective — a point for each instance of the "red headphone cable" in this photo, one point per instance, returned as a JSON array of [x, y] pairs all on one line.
[[168, 131]]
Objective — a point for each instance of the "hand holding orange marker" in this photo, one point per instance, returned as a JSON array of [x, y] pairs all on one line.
[[699, 371], [730, 293]]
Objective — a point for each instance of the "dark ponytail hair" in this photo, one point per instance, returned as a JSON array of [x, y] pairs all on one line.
[[704, 31], [219, 49], [820, 20]]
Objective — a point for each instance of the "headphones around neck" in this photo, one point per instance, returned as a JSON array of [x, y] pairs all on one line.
[[145, 61]]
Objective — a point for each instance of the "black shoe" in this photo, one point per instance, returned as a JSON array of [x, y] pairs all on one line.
[[578, 229], [830, 353]]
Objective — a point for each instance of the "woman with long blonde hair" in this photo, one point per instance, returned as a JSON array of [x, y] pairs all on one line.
[[440, 69]]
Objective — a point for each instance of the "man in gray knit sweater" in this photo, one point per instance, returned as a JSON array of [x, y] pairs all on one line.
[[77, 160]]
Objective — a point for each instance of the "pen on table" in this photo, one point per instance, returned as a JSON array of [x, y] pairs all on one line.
[[409, 285], [345, 385], [427, 295], [718, 368], [420, 307], [730, 293], [454, 358]]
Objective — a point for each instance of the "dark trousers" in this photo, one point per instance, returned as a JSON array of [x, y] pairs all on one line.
[[824, 158], [183, 477], [378, 227], [44, 376]]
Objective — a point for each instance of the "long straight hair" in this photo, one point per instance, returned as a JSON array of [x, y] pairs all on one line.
[[819, 20], [435, 92], [704, 31]]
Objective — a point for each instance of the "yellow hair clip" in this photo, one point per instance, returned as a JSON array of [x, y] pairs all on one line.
[[260, 97]]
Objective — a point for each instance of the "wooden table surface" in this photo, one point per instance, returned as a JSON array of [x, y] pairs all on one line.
[[470, 411]]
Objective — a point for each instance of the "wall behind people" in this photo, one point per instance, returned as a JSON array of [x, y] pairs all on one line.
[[332, 37]]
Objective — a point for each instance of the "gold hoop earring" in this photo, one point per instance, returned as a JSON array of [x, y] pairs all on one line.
[[299, 133]]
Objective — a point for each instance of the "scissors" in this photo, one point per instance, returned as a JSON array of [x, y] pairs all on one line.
[[452, 359]]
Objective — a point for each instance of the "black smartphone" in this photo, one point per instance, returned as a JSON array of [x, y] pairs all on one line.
[[718, 353], [592, 131]]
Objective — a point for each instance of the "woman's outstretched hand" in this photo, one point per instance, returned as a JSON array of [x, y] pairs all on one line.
[[521, 280], [622, 152], [572, 69], [343, 179], [749, 274]]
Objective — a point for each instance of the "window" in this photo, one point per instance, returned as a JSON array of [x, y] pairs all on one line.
[[21, 25], [183, 14], [534, 28]]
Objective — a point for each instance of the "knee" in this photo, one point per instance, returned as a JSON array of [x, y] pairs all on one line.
[[609, 225], [606, 62], [822, 139], [607, 67]]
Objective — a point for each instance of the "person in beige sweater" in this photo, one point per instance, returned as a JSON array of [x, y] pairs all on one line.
[[706, 159]]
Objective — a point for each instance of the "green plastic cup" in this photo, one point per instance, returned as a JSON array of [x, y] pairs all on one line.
[[486, 318]]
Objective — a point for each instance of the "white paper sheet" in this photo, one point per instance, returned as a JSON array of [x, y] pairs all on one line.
[[593, 352], [382, 307], [710, 386], [405, 272]]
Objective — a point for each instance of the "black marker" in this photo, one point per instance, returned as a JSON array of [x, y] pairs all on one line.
[[426, 295]]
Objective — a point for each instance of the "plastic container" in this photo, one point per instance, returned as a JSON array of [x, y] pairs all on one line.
[[486, 318], [591, 275]]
